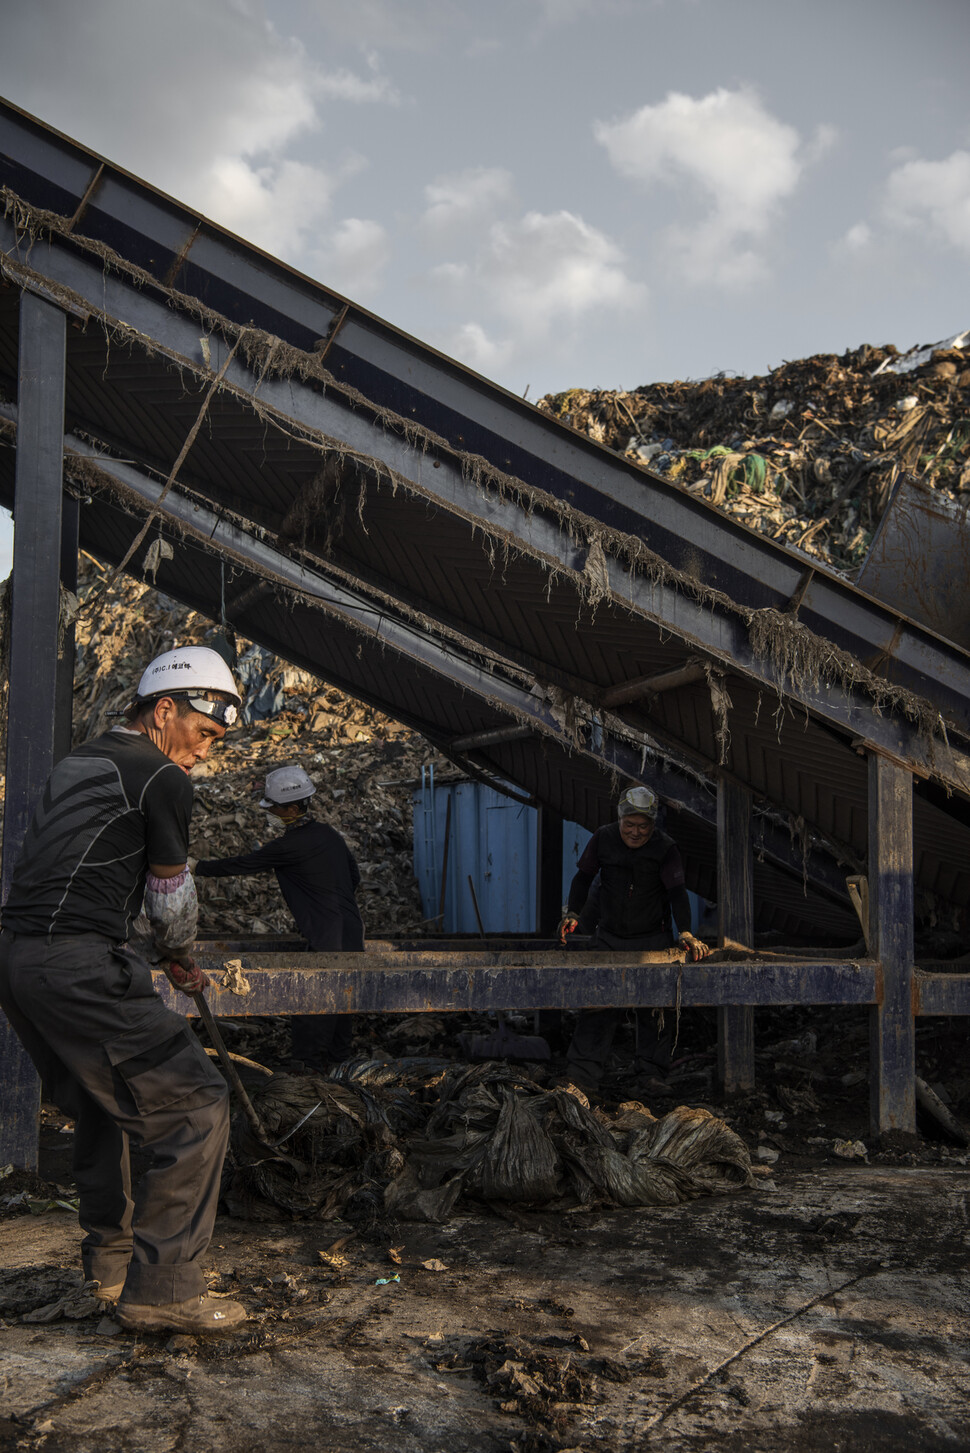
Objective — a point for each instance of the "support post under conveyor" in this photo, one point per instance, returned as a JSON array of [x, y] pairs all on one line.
[[33, 678], [735, 898], [892, 1037]]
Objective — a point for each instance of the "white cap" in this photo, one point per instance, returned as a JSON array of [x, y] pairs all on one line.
[[638, 800], [285, 785], [190, 671]]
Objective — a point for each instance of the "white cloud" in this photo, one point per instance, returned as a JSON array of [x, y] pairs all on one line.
[[534, 280], [548, 267], [465, 199], [214, 119], [275, 206], [472, 345], [451, 274], [857, 239], [742, 161], [933, 194], [354, 258], [344, 85]]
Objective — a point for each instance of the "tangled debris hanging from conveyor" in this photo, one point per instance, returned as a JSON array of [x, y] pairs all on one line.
[[809, 453]]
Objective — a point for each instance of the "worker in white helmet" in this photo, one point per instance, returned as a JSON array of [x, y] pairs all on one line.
[[109, 837], [318, 876], [640, 896]]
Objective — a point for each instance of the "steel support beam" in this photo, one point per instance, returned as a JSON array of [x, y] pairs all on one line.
[[735, 902], [924, 663], [64, 713], [940, 993], [892, 1024], [494, 737], [485, 981], [35, 616], [192, 523], [652, 685], [399, 372]]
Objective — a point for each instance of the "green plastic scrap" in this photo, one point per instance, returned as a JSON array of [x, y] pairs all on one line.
[[385, 1281]]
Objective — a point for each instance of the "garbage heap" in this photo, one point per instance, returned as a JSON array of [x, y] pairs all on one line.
[[809, 453], [358, 758], [411, 1138]]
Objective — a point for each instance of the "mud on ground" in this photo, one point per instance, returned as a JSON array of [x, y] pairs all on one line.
[[535, 1333], [826, 1310]]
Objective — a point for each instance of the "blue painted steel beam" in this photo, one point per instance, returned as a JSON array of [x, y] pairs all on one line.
[[735, 913], [180, 247], [481, 982], [936, 993], [892, 1044], [32, 693], [943, 674]]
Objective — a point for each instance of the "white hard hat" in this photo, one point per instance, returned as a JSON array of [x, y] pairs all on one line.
[[638, 800], [188, 671], [285, 785]]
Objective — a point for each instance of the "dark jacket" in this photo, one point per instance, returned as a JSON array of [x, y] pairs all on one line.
[[317, 875], [639, 887]]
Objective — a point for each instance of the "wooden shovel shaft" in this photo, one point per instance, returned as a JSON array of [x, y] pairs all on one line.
[[232, 1074]]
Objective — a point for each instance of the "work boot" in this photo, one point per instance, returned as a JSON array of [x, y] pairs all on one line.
[[198, 1314]]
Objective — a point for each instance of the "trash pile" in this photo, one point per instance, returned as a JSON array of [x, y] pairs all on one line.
[[353, 753], [409, 1138], [808, 454]]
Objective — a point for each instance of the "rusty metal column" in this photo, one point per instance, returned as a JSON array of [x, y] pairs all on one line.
[[735, 901], [892, 1026], [67, 636], [33, 651]]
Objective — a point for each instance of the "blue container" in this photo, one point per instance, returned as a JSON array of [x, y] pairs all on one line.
[[492, 839]]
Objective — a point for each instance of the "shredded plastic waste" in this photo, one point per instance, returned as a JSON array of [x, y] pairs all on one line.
[[408, 1138], [809, 453], [498, 1136]]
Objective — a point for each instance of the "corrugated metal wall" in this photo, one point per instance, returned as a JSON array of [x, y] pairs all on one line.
[[491, 839]]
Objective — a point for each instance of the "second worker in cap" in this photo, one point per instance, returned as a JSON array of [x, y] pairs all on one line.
[[318, 875]]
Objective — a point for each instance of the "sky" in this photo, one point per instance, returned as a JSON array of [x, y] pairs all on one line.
[[559, 193]]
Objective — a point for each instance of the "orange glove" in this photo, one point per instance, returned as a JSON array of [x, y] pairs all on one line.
[[186, 975], [568, 924]]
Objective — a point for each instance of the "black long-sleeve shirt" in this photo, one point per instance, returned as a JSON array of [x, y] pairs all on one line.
[[639, 887], [317, 874]]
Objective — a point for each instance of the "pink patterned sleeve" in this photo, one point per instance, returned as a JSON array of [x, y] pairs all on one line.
[[172, 909]]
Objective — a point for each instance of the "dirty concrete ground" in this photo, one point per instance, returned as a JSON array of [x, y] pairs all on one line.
[[827, 1310], [584, 1332]]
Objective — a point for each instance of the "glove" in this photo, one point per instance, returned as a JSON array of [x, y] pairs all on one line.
[[567, 925], [186, 975], [696, 949]]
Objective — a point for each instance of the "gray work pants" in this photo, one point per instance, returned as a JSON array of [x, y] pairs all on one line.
[[595, 1029], [123, 1066]]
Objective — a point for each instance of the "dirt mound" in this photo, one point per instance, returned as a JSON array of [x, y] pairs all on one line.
[[807, 454]]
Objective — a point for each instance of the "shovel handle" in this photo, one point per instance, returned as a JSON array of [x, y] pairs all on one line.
[[232, 1074]]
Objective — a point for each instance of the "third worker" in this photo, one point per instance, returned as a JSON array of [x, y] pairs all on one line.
[[640, 890]]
